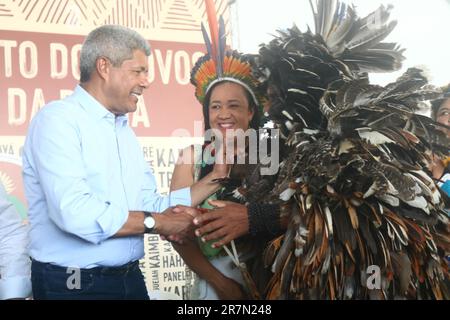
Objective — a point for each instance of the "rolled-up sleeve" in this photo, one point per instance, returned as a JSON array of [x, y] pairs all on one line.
[[57, 155], [15, 287]]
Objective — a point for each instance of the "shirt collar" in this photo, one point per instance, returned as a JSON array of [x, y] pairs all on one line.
[[122, 120], [91, 105]]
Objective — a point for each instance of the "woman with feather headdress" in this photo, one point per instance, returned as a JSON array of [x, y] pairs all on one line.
[[231, 103], [227, 106]]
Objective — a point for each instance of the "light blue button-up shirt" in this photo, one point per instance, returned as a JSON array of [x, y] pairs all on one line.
[[15, 279], [83, 171]]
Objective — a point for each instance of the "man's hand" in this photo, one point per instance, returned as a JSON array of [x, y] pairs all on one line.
[[227, 221], [187, 233], [175, 221]]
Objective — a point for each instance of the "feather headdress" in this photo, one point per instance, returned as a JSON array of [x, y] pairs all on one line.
[[299, 66], [220, 64]]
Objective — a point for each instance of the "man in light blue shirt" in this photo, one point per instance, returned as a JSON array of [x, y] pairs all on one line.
[[91, 194], [15, 280]]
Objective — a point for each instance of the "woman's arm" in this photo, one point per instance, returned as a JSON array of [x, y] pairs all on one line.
[[183, 177], [226, 288], [209, 184]]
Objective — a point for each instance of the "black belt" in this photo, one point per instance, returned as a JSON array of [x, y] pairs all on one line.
[[120, 270]]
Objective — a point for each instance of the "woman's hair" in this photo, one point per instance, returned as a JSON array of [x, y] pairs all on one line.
[[254, 122], [437, 104], [117, 43]]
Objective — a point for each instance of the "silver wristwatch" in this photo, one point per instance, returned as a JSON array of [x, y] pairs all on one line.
[[149, 223]]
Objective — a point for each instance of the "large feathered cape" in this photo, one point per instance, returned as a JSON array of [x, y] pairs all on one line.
[[366, 220]]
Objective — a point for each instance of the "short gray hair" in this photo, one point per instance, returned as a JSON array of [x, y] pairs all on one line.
[[117, 43]]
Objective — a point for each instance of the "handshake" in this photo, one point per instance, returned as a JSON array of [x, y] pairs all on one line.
[[225, 222]]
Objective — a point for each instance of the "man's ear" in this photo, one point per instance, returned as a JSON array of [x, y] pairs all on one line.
[[103, 66]]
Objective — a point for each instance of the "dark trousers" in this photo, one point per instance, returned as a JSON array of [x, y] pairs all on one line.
[[52, 282]]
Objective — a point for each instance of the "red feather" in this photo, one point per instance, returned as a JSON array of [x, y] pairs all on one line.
[[213, 27]]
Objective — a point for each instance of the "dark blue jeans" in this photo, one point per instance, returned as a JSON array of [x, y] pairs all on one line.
[[51, 282]]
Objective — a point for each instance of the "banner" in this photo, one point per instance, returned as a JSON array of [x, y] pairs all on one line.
[[37, 68]]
